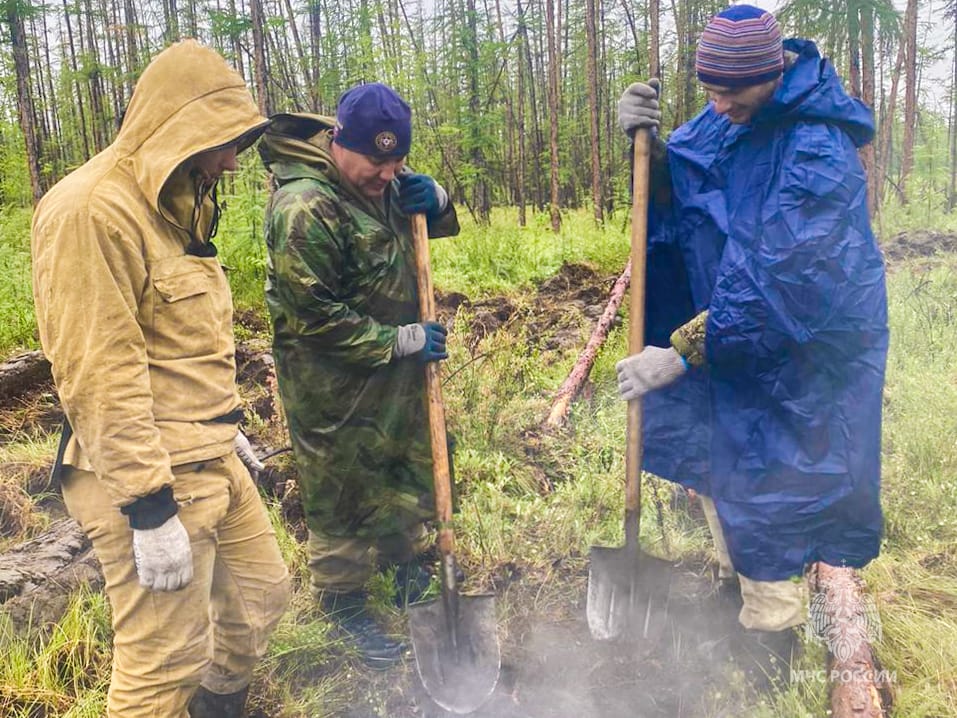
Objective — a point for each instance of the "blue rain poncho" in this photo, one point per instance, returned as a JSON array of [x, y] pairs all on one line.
[[766, 227]]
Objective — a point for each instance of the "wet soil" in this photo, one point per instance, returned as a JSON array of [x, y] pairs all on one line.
[[553, 668], [552, 316], [918, 244]]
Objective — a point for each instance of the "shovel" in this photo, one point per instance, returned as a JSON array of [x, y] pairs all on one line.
[[454, 638], [627, 588]]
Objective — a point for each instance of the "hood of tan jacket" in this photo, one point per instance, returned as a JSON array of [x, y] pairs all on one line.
[[138, 330], [187, 101]]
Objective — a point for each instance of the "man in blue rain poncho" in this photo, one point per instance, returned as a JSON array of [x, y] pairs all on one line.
[[766, 318]]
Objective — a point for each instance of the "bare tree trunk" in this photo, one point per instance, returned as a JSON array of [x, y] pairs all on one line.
[[854, 49], [887, 126], [81, 112], [553, 72], [112, 54], [315, 34], [522, 39], [237, 45], [538, 143], [25, 107], [257, 22], [41, 106], [868, 152], [132, 50], [172, 20], [636, 39], [192, 29], [952, 191], [654, 39], [51, 92], [910, 95], [593, 111], [303, 58], [509, 169], [480, 195], [97, 104]]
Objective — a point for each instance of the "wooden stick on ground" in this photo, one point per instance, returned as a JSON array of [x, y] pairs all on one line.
[[579, 373], [859, 688]]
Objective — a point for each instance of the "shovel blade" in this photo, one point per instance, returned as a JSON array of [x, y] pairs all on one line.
[[627, 593], [459, 675]]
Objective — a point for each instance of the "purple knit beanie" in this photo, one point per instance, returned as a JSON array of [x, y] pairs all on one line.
[[373, 120], [740, 47]]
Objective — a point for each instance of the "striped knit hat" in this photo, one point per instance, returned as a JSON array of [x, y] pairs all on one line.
[[740, 47]]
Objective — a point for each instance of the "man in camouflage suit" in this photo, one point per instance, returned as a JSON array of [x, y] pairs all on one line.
[[342, 295]]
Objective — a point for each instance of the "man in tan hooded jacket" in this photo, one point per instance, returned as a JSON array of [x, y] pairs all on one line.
[[135, 315]]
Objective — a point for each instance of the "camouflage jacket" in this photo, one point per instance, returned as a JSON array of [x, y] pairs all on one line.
[[341, 279]]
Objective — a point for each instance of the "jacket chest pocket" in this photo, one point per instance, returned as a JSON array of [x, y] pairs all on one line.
[[191, 309]]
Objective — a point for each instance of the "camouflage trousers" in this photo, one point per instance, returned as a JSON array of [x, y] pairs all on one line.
[[345, 563], [768, 605]]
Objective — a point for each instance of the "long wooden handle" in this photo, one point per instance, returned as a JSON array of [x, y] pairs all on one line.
[[636, 329], [433, 386]]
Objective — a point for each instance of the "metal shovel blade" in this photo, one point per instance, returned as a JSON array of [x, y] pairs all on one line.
[[457, 656], [627, 593]]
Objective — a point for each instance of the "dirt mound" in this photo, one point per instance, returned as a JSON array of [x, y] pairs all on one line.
[[552, 316], [917, 244]]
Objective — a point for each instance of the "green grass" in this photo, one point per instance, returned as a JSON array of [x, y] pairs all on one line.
[[62, 671], [532, 503], [502, 257], [17, 321]]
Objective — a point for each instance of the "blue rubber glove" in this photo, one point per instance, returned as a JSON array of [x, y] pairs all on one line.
[[425, 341], [420, 194]]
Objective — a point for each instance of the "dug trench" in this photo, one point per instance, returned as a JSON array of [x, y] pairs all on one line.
[[551, 666]]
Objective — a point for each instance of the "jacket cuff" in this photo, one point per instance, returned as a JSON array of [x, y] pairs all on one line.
[[688, 340], [152, 511], [444, 224]]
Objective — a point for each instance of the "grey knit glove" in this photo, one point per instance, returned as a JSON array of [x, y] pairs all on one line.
[[650, 369], [638, 106]]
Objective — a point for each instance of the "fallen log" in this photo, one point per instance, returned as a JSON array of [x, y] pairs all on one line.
[[38, 577], [579, 373], [25, 372], [20, 374], [845, 618]]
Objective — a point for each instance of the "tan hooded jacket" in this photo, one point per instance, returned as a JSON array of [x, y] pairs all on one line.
[[139, 332]]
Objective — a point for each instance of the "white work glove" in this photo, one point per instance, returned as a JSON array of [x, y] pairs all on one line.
[[652, 368], [246, 454], [163, 557], [638, 106]]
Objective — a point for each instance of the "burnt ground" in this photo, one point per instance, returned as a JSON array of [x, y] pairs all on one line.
[[551, 667], [918, 244]]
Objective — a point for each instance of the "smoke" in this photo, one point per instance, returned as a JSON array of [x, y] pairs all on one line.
[[552, 668]]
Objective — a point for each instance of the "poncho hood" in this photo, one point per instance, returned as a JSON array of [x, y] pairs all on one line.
[[811, 91]]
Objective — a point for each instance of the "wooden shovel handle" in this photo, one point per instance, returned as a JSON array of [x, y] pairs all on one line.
[[636, 327], [433, 387]]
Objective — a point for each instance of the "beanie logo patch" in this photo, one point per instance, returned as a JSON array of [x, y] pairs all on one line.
[[386, 141]]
